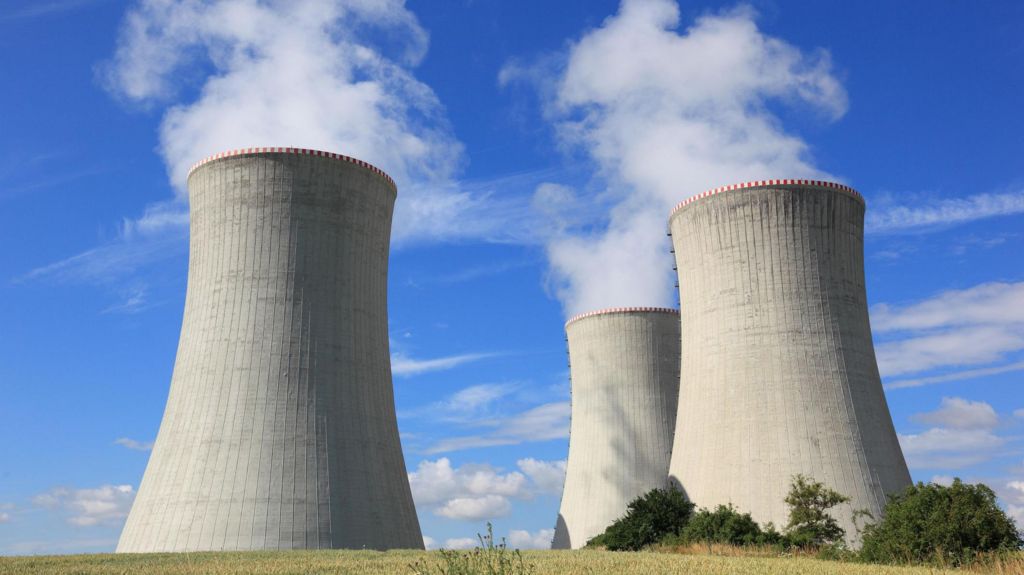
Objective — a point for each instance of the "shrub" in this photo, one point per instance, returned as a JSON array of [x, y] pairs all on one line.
[[726, 525], [648, 519], [810, 524], [487, 559], [929, 523]]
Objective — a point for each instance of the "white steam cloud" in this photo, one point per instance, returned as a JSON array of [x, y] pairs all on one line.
[[325, 74], [665, 115]]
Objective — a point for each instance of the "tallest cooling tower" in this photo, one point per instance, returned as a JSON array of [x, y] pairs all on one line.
[[280, 429], [778, 372]]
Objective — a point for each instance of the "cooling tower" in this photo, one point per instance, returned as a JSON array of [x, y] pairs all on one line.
[[778, 373], [624, 369], [280, 429]]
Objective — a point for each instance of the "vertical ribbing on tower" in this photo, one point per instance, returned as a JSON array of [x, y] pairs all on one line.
[[280, 429], [778, 371], [624, 369]]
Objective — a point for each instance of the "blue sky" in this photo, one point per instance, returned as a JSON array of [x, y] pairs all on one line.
[[535, 145]]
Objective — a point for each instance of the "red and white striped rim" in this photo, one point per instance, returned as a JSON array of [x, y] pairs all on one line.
[[299, 151], [765, 184], [621, 310]]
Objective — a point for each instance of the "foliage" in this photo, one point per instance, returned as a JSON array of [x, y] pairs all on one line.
[[486, 559], [728, 526], [930, 523], [810, 524], [648, 519]]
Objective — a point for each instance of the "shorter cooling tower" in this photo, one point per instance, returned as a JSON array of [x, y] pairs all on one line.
[[778, 369], [624, 366]]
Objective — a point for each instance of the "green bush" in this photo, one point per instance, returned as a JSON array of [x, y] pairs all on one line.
[[810, 524], [930, 523], [648, 519], [727, 525]]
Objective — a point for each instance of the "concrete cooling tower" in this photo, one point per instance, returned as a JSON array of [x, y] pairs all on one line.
[[280, 429], [624, 367], [778, 370]]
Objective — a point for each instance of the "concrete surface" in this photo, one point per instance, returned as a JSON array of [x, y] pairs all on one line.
[[778, 369], [625, 379], [280, 429]]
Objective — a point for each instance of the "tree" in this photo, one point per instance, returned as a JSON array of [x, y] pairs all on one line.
[[648, 519], [810, 524], [945, 525]]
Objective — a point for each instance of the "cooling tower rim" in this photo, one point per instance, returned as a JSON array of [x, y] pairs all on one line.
[[612, 310], [765, 184], [297, 151]]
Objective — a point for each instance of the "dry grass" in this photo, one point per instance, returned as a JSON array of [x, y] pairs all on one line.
[[398, 563]]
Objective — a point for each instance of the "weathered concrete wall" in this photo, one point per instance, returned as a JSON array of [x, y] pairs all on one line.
[[625, 380], [280, 429], [778, 369]]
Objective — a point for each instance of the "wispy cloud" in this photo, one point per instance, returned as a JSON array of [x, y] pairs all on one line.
[[989, 303], [473, 273], [976, 326], [924, 215], [542, 423], [133, 300], [956, 376], [39, 9], [403, 365], [665, 113], [134, 444]]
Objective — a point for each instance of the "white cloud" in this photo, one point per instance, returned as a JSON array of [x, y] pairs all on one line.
[[104, 505], [1016, 512], [115, 259], [980, 325], [945, 480], [404, 365], [984, 304], [475, 508], [461, 543], [61, 545], [1018, 413], [959, 413], [941, 448], [333, 75], [5, 517], [548, 476], [540, 423], [956, 376], [473, 406], [1016, 491], [134, 444], [429, 542], [665, 114], [964, 346], [938, 213], [519, 539], [437, 481], [481, 491]]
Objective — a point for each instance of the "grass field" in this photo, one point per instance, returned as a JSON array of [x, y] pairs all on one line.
[[398, 562]]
